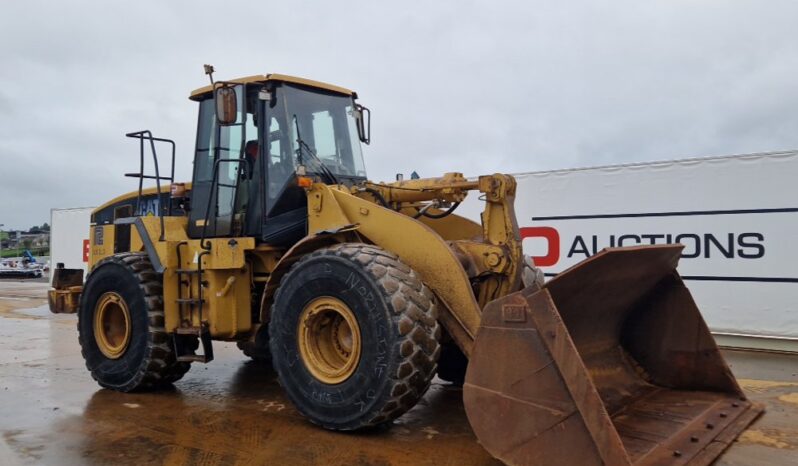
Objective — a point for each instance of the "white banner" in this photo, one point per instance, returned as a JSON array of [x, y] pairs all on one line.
[[736, 216]]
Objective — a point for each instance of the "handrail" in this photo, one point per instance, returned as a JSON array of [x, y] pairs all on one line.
[[147, 135]]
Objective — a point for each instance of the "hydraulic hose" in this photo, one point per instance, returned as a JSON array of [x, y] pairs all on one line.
[[377, 195], [437, 216]]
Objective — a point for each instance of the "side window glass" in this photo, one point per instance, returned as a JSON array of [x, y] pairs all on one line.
[[251, 140], [324, 135], [205, 136], [274, 141], [229, 146], [281, 162]]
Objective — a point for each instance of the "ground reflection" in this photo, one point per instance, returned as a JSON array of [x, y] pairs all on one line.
[[246, 419]]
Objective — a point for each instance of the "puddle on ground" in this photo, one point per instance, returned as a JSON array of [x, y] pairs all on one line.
[[23, 308], [760, 386], [770, 438]]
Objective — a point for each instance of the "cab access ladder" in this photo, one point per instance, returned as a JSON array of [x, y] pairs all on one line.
[[188, 307]]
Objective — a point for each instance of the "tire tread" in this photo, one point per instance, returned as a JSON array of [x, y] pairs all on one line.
[[415, 315], [160, 366]]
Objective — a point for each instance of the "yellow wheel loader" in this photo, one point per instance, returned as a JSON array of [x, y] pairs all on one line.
[[356, 292]]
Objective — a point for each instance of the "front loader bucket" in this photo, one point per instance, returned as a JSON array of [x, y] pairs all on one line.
[[609, 363]]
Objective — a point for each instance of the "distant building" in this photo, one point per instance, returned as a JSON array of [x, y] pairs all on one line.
[[19, 239]]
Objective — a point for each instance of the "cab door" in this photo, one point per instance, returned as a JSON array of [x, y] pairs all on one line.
[[217, 209]]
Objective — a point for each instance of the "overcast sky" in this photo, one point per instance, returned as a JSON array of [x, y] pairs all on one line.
[[465, 86]]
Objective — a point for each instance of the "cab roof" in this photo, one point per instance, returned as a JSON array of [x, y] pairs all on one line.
[[199, 94]]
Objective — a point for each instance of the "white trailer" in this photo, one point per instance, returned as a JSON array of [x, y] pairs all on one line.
[[69, 237], [737, 217]]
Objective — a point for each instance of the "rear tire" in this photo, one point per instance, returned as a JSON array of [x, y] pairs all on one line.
[[389, 318], [130, 349]]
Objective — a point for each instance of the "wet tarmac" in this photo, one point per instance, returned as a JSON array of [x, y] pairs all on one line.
[[232, 410]]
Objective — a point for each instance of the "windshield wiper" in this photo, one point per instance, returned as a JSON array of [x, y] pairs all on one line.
[[331, 178]]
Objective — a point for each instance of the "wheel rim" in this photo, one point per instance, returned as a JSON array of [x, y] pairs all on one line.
[[329, 340], [112, 325]]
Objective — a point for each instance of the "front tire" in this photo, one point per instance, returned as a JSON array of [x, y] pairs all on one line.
[[354, 336], [121, 326]]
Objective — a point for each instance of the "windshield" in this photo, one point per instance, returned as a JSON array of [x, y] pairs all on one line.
[[326, 125]]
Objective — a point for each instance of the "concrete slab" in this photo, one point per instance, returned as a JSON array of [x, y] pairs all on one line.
[[232, 411]]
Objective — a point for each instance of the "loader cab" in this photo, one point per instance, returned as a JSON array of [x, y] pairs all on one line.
[[251, 143]]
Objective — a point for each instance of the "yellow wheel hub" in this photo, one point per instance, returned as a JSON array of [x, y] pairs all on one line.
[[112, 325], [329, 340]]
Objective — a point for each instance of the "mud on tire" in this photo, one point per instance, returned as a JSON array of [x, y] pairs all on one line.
[[399, 333], [148, 361]]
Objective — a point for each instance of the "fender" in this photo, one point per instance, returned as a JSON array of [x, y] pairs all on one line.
[[298, 251], [418, 245], [149, 247]]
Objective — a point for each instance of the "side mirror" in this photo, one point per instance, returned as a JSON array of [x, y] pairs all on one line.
[[363, 119], [226, 104]]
